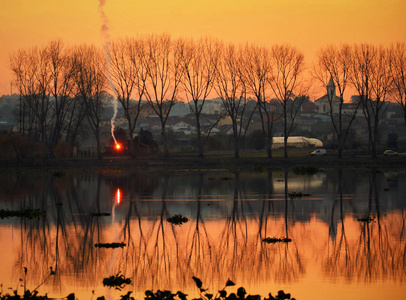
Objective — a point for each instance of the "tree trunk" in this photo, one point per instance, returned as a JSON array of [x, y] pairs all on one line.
[[268, 144], [99, 154], [374, 139], [164, 142], [236, 146], [285, 132], [340, 150], [131, 145], [199, 136], [269, 152]]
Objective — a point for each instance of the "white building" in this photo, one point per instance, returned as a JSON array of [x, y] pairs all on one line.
[[329, 100]]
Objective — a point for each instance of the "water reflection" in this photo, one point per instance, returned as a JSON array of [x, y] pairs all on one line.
[[349, 228]]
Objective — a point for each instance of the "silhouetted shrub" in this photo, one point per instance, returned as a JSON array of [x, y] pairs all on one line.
[[62, 150]]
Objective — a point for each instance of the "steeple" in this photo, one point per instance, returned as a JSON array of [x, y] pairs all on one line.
[[331, 88]]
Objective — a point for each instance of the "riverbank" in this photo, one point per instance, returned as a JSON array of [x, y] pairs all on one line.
[[211, 162]]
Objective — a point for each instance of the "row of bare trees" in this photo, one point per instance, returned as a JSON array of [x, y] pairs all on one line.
[[377, 74], [62, 88]]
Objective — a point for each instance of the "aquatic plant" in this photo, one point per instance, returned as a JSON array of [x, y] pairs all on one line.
[[366, 219], [100, 214], [280, 296], [178, 219], [274, 240], [27, 294], [241, 293], [122, 297], [298, 195], [164, 295], [110, 245], [221, 294], [23, 213], [127, 296], [117, 281]]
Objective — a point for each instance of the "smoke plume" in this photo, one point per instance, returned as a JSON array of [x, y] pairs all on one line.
[[105, 32]]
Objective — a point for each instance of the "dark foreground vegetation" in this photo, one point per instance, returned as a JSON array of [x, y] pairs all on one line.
[[119, 282]]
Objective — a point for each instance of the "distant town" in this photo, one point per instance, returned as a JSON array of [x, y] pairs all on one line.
[[312, 129]]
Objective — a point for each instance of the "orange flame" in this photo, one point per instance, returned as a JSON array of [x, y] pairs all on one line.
[[118, 146], [118, 197]]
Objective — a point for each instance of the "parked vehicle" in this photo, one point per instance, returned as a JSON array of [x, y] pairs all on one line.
[[319, 152], [390, 153]]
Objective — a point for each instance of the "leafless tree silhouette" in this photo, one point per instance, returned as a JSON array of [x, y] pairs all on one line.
[[232, 90], [287, 83], [256, 65], [333, 67], [128, 76], [161, 57], [370, 75], [398, 73], [91, 82], [199, 61]]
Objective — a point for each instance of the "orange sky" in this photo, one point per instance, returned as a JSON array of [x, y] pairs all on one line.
[[307, 24]]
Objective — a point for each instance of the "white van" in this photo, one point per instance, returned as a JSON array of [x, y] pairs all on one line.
[[319, 152]]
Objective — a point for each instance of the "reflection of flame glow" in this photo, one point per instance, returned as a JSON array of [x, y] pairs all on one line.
[[118, 197], [118, 146]]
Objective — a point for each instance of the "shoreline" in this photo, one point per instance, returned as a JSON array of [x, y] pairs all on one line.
[[212, 162]]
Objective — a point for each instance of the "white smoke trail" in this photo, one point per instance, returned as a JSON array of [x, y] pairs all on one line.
[[104, 29]]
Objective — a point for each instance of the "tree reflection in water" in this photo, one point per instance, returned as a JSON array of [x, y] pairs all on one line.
[[222, 240], [379, 250], [67, 246], [199, 246]]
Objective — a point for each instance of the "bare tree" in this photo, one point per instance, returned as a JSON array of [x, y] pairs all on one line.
[[199, 63], [256, 67], [288, 66], [75, 118], [32, 77], [332, 70], [61, 89], [162, 62], [232, 90], [91, 84], [42, 106], [128, 78], [24, 81], [371, 77], [44, 77], [398, 71]]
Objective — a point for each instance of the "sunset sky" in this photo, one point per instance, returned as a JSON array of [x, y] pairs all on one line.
[[306, 24]]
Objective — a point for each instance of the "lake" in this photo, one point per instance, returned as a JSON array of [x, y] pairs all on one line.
[[331, 234]]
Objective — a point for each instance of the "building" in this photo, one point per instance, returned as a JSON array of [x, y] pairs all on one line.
[[329, 100], [296, 141]]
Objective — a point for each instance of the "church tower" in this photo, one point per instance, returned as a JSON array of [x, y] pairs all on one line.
[[331, 88]]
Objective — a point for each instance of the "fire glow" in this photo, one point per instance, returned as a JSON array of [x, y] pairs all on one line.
[[118, 146], [118, 197]]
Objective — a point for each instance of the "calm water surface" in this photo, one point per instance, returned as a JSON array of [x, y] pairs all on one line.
[[333, 254]]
